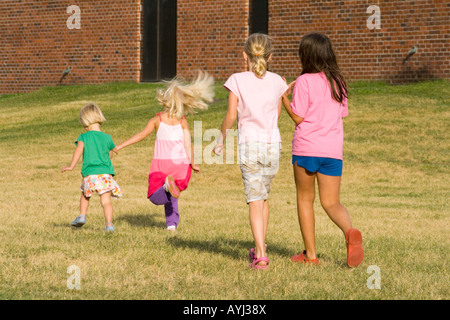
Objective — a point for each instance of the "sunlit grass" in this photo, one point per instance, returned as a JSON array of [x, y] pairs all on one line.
[[395, 186]]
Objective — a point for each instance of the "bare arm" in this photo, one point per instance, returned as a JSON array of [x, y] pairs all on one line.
[[188, 146], [280, 103], [76, 156], [228, 121], [287, 105], [138, 137]]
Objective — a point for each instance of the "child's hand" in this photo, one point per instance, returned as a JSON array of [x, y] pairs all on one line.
[[288, 92], [218, 149], [195, 167], [66, 169], [115, 150]]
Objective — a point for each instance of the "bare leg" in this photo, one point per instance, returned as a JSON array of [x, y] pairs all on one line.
[[329, 197], [84, 205], [266, 217], [329, 187], [105, 200], [257, 223], [305, 183]]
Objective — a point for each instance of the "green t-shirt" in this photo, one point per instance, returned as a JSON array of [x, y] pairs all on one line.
[[96, 160]]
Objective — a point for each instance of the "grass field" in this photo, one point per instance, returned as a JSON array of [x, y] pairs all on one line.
[[395, 186]]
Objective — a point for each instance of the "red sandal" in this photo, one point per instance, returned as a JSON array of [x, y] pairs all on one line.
[[355, 252], [302, 258]]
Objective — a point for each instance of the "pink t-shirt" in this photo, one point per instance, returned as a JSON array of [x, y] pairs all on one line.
[[321, 134], [258, 105]]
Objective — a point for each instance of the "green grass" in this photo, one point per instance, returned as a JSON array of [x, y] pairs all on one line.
[[395, 186]]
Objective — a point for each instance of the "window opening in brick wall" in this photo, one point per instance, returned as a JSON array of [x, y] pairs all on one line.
[[259, 16], [159, 42]]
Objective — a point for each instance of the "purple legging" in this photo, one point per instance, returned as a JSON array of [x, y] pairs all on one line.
[[162, 197]]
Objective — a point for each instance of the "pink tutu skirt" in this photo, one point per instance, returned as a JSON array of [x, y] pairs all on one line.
[[101, 184], [161, 168]]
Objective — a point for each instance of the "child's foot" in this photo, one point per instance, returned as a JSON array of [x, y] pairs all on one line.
[[109, 227], [260, 263], [303, 259], [172, 229], [79, 221], [252, 254], [171, 187], [355, 252]]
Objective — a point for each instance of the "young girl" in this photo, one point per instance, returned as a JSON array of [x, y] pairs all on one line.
[[255, 99], [170, 169], [319, 102], [95, 146]]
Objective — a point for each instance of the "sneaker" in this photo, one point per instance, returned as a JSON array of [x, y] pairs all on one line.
[[79, 221], [171, 187], [172, 228], [109, 227]]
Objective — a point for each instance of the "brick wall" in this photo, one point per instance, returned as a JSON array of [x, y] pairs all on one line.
[[36, 45], [211, 36], [364, 53]]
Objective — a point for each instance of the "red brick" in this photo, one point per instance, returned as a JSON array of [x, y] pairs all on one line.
[[36, 45]]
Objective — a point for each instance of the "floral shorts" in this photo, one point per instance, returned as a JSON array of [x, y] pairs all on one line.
[[259, 163], [101, 184]]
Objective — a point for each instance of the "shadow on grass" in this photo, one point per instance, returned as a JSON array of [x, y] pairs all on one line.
[[236, 249], [139, 220], [68, 226], [143, 220]]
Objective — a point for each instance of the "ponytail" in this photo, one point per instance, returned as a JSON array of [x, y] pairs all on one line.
[[259, 66], [258, 48]]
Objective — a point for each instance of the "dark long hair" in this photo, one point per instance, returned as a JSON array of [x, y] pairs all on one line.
[[316, 55]]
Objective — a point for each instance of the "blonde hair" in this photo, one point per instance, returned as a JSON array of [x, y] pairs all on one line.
[[258, 48], [181, 98], [91, 114]]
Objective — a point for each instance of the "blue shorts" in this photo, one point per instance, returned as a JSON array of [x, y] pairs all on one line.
[[326, 166]]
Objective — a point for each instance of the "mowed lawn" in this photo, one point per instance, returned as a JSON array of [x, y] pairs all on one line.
[[395, 185]]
